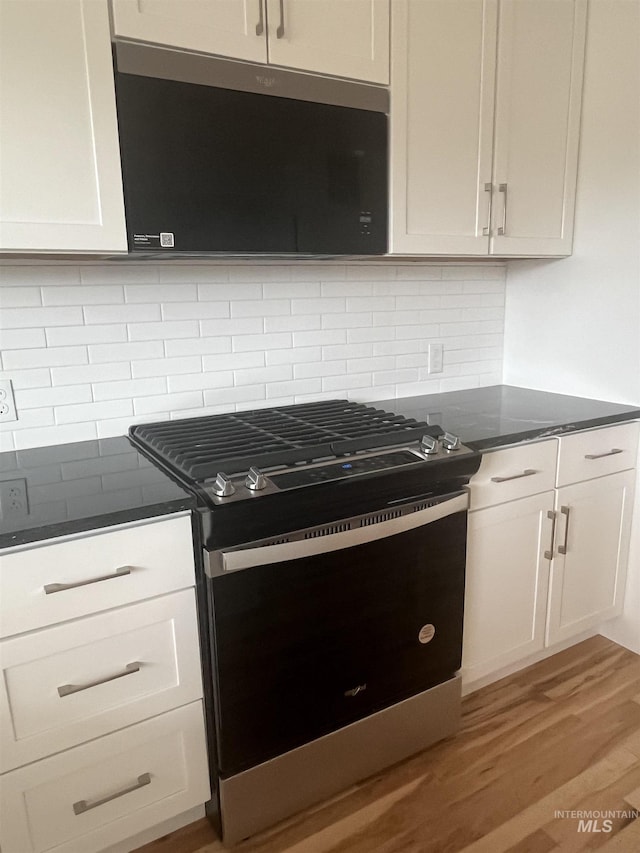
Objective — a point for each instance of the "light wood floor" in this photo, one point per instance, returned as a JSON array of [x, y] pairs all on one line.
[[563, 734]]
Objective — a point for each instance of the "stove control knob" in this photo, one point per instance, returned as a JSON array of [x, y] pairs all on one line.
[[223, 487], [256, 481], [429, 445], [450, 442]]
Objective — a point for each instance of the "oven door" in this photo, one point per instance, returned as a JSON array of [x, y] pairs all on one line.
[[312, 634]]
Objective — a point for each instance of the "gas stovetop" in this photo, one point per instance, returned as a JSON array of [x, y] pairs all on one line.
[[242, 455]]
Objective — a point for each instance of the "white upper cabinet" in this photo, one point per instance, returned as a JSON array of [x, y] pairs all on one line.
[[59, 154], [233, 28], [485, 116], [537, 124], [344, 38], [442, 84]]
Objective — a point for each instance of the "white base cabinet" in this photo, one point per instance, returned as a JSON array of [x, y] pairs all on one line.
[[548, 544], [102, 732], [592, 549], [105, 791], [59, 151], [507, 583]]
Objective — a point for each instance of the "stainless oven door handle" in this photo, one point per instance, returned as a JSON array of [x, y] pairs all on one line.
[[221, 562]]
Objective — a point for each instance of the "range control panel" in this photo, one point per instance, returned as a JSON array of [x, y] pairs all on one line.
[[348, 468]]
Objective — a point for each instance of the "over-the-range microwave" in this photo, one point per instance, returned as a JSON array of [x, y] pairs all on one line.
[[229, 157]]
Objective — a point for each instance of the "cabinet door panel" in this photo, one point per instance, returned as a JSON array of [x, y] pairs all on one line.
[[538, 97], [587, 583], [442, 81], [224, 27], [506, 584], [59, 154], [348, 38]]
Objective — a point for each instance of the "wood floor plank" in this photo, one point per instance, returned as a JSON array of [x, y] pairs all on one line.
[[626, 841], [560, 734]]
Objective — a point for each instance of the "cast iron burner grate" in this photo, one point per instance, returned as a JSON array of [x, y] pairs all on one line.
[[201, 447]]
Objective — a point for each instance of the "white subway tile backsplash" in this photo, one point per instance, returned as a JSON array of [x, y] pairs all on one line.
[[228, 291], [109, 353], [233, 360], [35, 398], [168, 402], [261, 308], [165, 366], [200, 381], [163, 331], [92, 349], [121, 313], [61, 335], [93, 411], [82, 295], [126, 389], [275, 340], [44, 357], [235, 326], [198, 346], [30, 318], [195, 310], [19, 297], [90, 373], [30, 378], [149, 293], [22, 339]]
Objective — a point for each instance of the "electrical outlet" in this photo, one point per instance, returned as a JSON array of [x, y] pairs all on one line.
[[435, 356], [7, 403], [14, 501]]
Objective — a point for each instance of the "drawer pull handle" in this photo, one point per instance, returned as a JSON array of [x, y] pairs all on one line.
[[83, 806], [548, 555], [562, 549], [612, 452], [68, 689], [528, 472], [60, 587]]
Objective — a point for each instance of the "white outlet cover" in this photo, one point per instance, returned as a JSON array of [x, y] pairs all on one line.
[[7, 403]]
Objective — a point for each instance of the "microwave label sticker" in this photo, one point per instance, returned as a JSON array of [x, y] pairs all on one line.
[[163, 240]]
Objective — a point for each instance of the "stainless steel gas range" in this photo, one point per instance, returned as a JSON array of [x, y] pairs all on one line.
[[332, 594]]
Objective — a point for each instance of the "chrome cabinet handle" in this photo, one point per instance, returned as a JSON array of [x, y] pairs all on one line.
[[562, 549], [68, 689], [611, 452], [528, 472], [83, 806], [60, 587], [280, 30], [503, 228], [260, 24], [551, 514], [487, 228]]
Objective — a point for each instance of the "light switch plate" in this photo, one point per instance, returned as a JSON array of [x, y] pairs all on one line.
[[435, 356]]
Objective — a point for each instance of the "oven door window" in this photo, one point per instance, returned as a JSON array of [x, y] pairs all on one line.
[[308, 645]]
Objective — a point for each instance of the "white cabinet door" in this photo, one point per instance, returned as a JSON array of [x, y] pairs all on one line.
[[59, 154], [346, 38], [506, 583], [442, 89], [537, 124], [592, 546], [235, 28]]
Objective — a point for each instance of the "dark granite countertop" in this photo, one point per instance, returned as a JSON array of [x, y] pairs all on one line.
[[84, 486], [485, 418]]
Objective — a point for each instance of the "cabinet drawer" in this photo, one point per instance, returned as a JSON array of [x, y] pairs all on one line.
[[596, 452], [64, 579], [74, 682], [514, 472], [98, 794]]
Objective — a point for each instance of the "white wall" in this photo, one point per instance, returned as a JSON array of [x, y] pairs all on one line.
[[573, 325], [92, 349]]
